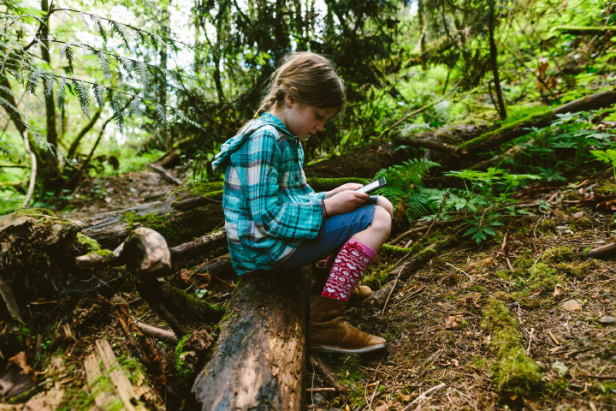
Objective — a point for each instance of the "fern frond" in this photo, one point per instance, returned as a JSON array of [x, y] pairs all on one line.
[[85, 22], [67, 51], [98, 95], [99, 26], [32, 84], [120, 29], [114, 100], [62, 84], [161, 113], [49, 82], [135, 106], [127, 64], [83, 97], [102, 59]]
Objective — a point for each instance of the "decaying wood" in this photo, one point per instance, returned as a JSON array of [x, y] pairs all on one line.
[[93, 373], [603, 253], [166, 174], [194, 202], [200, 245], [327, 374], [164, 335], [9, 300], [260, 356], [147, 351], [146, 253]]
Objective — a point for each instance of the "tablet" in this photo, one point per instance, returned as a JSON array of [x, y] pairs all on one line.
[[375, 185]]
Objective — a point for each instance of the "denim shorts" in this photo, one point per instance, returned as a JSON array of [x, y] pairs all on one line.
[[334, 233]]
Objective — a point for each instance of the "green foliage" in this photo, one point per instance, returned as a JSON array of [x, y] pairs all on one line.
[[404, 187], [608, 156]]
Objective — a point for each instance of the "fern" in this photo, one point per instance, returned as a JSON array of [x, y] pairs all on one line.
[[423, 202], [62, 84], [67, 51], [83, 97]]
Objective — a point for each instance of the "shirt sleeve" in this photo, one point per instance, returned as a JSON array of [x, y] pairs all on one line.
[[257, 164]]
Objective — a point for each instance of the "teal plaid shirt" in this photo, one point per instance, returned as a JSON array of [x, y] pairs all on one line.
[[269, 208]]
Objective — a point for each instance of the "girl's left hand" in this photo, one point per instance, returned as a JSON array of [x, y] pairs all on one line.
[[344, 187]]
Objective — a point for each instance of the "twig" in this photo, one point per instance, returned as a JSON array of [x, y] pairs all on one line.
[[413, 294], [530, 340], [505, 250], [462, 271], [327, 374], [423, 396], [392, 289], [323, 389], [553, 338], [535, 230], [32, 159], [373, 394]]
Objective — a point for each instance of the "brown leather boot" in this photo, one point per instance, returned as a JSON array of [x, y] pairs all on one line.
[[359, 294], [330, 332]]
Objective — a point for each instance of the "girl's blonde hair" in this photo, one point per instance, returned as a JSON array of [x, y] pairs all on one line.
[[313, 76]]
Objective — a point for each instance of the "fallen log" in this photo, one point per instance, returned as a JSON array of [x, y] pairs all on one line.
[[166, 174], [584, 31], [517, 129], [260, 357]]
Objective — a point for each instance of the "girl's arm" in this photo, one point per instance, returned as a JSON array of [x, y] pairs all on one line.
[[256, 163]]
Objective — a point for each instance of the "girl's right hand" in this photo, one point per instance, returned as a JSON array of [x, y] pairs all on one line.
[[345, 202]]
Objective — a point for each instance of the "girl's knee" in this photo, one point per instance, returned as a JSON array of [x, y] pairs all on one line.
[[386, 204], [382, 219]]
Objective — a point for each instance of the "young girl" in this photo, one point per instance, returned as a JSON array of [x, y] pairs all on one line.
[[274, 220]]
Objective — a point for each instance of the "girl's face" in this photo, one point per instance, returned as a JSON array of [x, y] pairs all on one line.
[[304, 121]]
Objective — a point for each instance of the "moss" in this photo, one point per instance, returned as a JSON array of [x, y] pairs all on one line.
[[579, 270], [192, 308], [548, 225], [503, 274], [392, 249], [35, 212], [558, 254], [513, 370], [176, 229], [574, 209], [478, 288], [542, 278], [132, 368], [581, 223], [502, 296], [88, 243], [204, 188], [527, 301], [23, 397], [102, 253], [183, 371], [605, 189], [376, 279], [516, 124]]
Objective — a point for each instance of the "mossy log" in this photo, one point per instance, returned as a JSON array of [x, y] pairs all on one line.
[[604, 252], [260, 357], [584, 31], [517, 129], [177, 226]]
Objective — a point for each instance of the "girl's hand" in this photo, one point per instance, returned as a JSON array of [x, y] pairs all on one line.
[[344, 187], [345, 202]]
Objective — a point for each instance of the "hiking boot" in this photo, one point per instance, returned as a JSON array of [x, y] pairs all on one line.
[[330, 332], [359, 294]]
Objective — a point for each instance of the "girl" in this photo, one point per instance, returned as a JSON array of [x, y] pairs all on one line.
[[274, 220]]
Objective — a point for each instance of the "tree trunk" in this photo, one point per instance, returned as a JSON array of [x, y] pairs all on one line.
[[50, 171], [502, 111], [422, 36], [260, 357]]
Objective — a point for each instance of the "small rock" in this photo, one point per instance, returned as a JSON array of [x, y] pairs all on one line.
[[572, 305], [578, 215], [607, 320]]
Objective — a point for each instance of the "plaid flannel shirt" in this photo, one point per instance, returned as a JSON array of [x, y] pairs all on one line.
[[269, 208]]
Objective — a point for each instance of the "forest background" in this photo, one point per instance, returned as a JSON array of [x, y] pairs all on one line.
[[108, 87]]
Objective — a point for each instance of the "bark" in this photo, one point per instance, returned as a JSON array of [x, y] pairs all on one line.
[[502, 110], [51, 171], [266, 334], [75, 144]]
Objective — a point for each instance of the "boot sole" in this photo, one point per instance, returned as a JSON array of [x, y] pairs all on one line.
[[338, 350]]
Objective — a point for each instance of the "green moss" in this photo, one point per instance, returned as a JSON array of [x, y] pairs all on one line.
[[526, 302], [579, 270], [392, 249], [102, 253], [192, 308], [35, 212], [581, 223], [503, 274], [513, 370], [574, 209], [88, 243], [182, 370], [23, 397], [132, 368], [204, 188], [542, 278], [548, 225], [605, 189], [77, 399], [376, 279], [478, 288], [558, 254], [519, 123]]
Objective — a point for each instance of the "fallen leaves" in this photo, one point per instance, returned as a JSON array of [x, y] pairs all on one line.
[[17, 378]]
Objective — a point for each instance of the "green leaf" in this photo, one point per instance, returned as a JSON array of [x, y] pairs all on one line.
[[83, 97], [67, 51]]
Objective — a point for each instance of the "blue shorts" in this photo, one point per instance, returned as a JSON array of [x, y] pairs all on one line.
[[335, 232]]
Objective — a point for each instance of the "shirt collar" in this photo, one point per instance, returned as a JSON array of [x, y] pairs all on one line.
[[269, 118]]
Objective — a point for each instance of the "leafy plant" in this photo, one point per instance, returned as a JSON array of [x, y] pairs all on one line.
[[608, 156], [404, 187]]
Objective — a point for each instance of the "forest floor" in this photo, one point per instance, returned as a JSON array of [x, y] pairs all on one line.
[[444, 328]]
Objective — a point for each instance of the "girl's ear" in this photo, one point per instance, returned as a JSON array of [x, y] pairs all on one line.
[[289, 99]]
